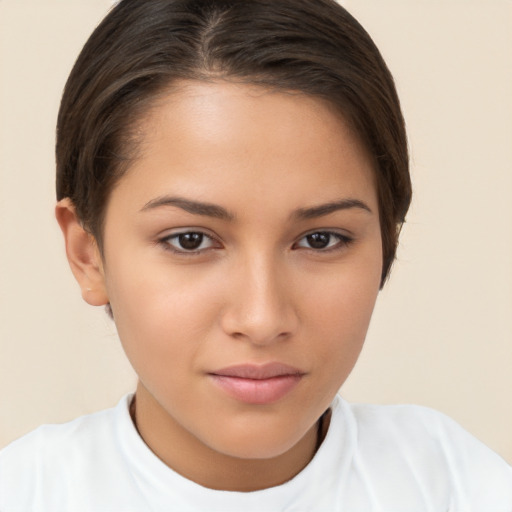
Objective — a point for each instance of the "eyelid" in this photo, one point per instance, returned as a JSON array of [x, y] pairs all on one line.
[[343, 238], [164, 241]]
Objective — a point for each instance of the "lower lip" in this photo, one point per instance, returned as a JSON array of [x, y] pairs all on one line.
[[257, 391]]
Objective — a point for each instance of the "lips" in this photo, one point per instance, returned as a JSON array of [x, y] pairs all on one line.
[[257, 384]]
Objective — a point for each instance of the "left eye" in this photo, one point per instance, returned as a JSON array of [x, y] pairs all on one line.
[[322, 240], [189, 241]]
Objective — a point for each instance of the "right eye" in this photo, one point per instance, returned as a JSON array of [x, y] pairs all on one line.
[[189, 242]]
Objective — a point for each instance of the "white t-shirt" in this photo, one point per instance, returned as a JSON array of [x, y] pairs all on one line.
[[374, 458]]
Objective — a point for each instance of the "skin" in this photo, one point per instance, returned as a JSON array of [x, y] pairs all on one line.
[[255, 291]]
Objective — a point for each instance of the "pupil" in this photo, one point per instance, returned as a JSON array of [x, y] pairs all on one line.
[[319, 240], [190, 241]]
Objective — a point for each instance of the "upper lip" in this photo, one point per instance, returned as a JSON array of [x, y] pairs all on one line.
[[258, 371]]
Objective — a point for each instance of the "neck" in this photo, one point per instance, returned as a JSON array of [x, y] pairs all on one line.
[[186, 455]]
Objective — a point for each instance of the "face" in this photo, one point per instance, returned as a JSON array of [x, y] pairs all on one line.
[[242, 260]]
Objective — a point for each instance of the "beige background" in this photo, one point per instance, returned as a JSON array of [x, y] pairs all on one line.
[[442, 332]]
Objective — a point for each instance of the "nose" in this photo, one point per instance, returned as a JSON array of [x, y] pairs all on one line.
[[260, 308]]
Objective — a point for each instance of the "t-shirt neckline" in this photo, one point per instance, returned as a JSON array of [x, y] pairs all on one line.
[[165, 486]]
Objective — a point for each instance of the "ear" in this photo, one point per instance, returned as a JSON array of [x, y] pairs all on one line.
[[83, 254]]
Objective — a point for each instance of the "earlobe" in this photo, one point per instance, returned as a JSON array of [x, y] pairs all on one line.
[[83, 254]]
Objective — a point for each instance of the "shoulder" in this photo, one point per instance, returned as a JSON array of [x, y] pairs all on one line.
[[432, 452], [67, 439], [55, 455]]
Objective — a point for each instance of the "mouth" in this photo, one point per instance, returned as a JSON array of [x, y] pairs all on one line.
[[257, 384]]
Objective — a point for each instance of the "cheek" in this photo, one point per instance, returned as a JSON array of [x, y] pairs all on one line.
[[340, 311], [345, 296], [161, 314]]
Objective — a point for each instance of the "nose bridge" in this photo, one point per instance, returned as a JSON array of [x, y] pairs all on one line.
[[261, 307]]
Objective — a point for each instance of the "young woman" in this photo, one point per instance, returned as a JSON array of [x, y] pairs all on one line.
[[232, 177]]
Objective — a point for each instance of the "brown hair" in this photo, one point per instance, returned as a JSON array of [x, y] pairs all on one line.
[[143, 46]]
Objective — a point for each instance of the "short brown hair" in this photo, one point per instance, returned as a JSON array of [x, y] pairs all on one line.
[[143, 46]]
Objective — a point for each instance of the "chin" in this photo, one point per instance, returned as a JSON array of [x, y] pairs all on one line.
[[248, 444]]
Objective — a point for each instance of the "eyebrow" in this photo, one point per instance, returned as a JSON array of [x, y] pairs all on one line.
[[218, 212], [194, 207], [325, 209]]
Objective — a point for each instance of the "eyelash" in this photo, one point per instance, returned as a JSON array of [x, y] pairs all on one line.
[[166, 242], [343, 241]]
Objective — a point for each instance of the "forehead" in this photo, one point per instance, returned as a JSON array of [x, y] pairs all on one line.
[[220, 140]]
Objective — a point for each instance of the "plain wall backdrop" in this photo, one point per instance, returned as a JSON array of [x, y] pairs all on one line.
[[441, 335]]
